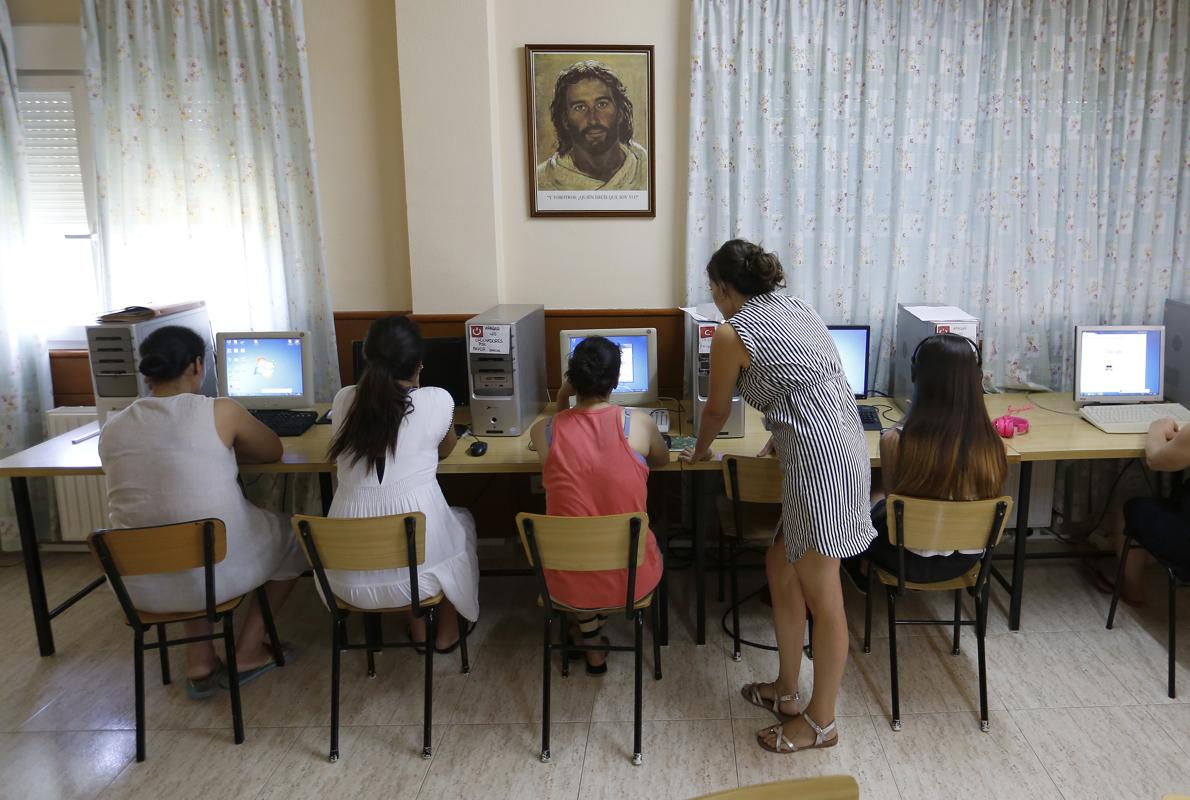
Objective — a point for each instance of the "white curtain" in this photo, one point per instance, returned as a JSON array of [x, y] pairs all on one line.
[[1028, 161], [207, 180], [24, 363]]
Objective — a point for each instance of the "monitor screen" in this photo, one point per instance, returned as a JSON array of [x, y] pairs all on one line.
[[638, 361], [852, 343], [265, 369], [1118, 363]]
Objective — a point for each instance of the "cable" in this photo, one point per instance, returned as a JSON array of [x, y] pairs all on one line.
[[1029, 399]]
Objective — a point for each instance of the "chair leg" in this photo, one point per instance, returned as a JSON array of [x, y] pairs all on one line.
[[809, 648], [1115, 592], [563, 643], [545, 684], [868, 609], [981, 624], [373, 637], [656, 643], [163, 651], [427, 744], [735, 601], [958, 619], [233, 677], [638, 695], [1173, 627], [892, 660], [138, 679], [270, 627], [336, 647], [464, 658]]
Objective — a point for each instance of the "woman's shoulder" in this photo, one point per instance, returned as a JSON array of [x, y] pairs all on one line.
[[434, 397]]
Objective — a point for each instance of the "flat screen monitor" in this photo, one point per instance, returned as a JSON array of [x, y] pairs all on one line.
[[266, 369], [1119, 363], [852, 342], [638, 361]]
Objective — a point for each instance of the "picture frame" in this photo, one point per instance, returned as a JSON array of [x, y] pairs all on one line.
[[590, 130]]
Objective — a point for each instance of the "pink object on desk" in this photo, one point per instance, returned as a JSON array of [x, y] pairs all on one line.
[[1009, 425]]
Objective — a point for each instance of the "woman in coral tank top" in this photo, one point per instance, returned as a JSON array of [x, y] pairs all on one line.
[[595, 462]]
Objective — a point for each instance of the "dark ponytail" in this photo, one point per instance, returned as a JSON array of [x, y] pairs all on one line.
[[594, 367], [746, 267], [393, 351], [168, 352]]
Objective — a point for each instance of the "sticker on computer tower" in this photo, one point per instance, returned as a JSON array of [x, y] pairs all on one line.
[[705, 334], [489, 339]]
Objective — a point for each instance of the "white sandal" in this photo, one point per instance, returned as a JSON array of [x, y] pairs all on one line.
[[784, 745], [751, 693]]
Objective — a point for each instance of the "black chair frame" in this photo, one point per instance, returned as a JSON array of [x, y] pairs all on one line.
[[162, 644], [979, 593], [1174, 584], [374, 636], [636, 615]]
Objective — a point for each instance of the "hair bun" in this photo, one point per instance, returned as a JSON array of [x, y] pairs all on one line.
[[155, 366], [747, 267]]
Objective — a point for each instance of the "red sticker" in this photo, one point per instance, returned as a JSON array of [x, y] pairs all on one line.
[[477, 331], [706, 332], [942, 329]]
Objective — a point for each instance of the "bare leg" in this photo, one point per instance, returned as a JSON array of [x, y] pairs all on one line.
[[251, 651], [818, 576], [789, 624], [200, 656]]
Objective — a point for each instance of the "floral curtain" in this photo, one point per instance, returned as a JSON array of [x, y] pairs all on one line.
[[1026, 160], [207, 179]]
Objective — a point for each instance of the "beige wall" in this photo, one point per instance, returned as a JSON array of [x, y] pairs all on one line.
[[352, 51], [44, 12]]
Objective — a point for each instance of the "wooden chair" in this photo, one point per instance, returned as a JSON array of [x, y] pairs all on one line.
[[748, 515], [588, 544], [200, 544], [940, 525], [831, 787], [371, 543]]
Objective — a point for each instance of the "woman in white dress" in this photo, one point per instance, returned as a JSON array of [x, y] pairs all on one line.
[[388, 437], [172, 457]]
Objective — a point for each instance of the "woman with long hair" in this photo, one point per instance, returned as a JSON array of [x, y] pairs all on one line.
[[389, 434], [779, 354], [945, 449]]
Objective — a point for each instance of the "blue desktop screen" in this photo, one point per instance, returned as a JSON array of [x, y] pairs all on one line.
[[263, 367], [634, 361], [1120, 362], [852, 344]]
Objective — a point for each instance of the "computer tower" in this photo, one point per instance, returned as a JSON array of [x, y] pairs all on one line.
[[1177, 352], [698, 349], [114, 350], [506, 369], [918, 321]]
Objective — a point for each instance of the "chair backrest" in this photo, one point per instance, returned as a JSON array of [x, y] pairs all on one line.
[[830, 787], [159, 549], [583, 544], [752, 480], [364, 543], [948, 524]]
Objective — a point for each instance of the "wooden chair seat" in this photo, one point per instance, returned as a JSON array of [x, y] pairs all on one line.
[[428, 601], [149, 618], [760, 519], [644, 602], [965, 581]]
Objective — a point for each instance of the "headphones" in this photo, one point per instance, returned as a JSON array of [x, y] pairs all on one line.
[[916, 350]]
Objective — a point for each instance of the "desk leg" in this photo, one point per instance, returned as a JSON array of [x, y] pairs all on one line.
[[33, 574], [700, 561], [326, 488], [1018, 555]]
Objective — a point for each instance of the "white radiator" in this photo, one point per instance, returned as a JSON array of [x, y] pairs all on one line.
[[82, 501]]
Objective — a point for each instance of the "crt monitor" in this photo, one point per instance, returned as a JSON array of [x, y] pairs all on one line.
[[638, 361], [1119, 363], [852, 342], [266, 369]]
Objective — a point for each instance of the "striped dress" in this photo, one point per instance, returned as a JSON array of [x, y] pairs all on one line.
[[796, 378]]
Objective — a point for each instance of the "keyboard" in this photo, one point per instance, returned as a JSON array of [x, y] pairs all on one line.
[[1133, 418], [285, 422], [870, 417]]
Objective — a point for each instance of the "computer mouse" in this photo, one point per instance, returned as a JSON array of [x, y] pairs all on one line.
[[477, 448]]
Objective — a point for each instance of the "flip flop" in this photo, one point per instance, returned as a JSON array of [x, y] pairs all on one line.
[[451, 648], [202, 688], [249, 675]]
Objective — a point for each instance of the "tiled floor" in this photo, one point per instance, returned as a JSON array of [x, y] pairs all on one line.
[[1076, 711]]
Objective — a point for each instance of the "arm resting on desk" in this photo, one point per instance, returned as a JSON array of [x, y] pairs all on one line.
[[252, 440], [447, 445]]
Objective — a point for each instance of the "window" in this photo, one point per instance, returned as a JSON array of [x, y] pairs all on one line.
[[62, 247]]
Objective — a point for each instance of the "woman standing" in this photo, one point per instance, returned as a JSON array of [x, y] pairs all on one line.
[[777, 351]]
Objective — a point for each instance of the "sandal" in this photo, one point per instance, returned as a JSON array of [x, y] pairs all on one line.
[[202, 688], [751, 693], [248, 675], [451, 648], [592, 669], [784, 745]]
